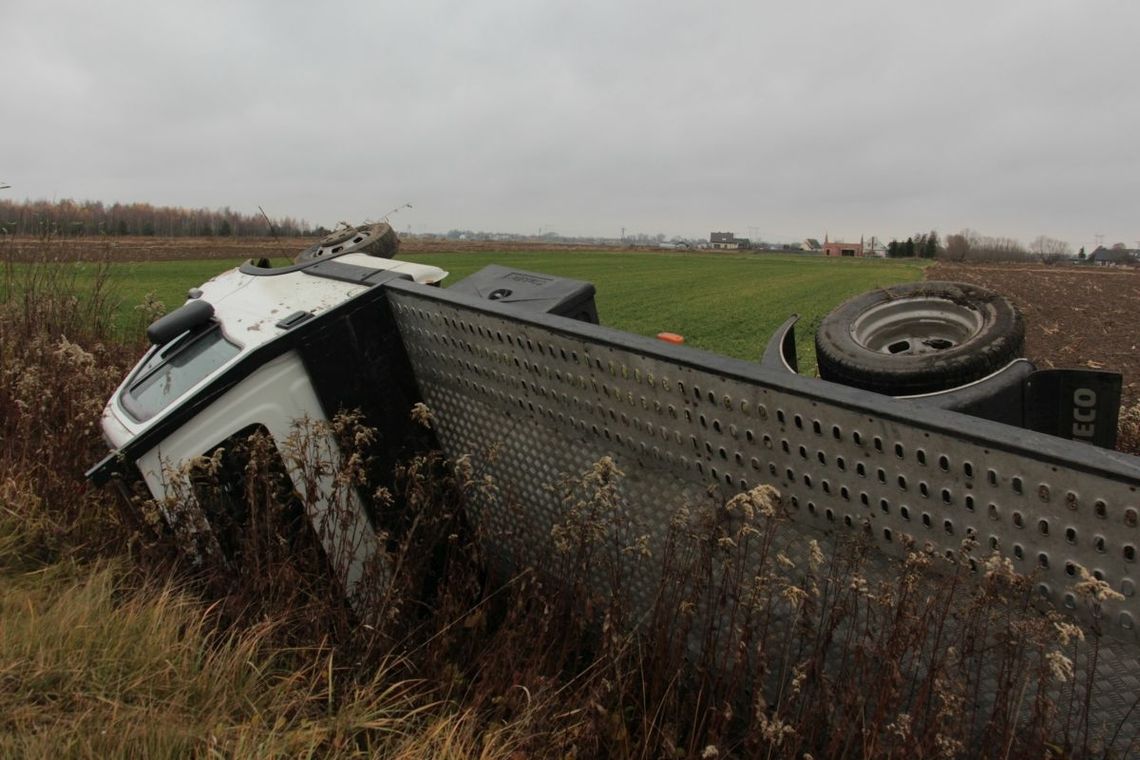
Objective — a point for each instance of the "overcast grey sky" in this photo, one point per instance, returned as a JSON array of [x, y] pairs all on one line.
[[790, 119]]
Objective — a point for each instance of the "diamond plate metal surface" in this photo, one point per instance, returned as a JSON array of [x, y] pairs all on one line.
[[556, 395]]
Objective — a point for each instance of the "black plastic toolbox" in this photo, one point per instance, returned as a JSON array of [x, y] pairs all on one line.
[[532, 292]]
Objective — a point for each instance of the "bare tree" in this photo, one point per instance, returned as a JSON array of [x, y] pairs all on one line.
[[957, 246], [93, 217], [1050, 250], [969, 245]]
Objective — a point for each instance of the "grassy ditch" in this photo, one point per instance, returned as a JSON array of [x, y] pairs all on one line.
[[120, 639]]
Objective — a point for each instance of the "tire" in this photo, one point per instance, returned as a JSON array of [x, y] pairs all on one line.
[[374, 239], [918, 338]]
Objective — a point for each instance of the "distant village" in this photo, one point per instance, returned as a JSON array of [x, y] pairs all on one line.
[[69, 218], [729, 241], [963, 246]]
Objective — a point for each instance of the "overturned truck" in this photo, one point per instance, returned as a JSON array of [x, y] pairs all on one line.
[[927, 428]]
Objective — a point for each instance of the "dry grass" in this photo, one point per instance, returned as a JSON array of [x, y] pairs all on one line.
[[90, 669], [57, 367], [1128, 436], [119, 639]]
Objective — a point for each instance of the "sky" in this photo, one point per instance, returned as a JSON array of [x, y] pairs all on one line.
[[778, 120]]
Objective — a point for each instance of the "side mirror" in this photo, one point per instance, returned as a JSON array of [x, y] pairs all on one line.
[[185, 317]]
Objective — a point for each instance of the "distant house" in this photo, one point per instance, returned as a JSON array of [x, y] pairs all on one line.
[[810, 244], [728, 241], [723, 240], [842, 249], [1113, 256]]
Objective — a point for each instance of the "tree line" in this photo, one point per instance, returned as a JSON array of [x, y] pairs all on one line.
[[923, 245], [969, 245], [69, 218]]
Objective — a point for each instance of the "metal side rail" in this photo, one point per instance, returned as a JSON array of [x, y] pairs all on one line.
[[560, 394], [555, 395]]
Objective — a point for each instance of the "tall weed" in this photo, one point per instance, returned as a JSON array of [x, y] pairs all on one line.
[[58, 364], [1128, 436]]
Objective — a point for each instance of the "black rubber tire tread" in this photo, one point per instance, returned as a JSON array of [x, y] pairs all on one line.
[[843, 360]]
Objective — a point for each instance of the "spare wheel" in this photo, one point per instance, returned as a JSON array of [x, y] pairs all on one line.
[[377, 239], [918, 338]]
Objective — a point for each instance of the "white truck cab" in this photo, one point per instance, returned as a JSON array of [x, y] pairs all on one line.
[[259, 349]]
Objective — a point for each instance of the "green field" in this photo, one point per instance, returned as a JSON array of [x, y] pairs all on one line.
[[725, 303]]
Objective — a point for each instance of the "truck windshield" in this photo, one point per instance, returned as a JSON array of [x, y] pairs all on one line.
[[171, 370]]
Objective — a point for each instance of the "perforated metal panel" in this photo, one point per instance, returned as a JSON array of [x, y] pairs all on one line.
[[557, 395]]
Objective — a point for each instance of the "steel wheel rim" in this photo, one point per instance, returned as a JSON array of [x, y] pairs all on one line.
[[916, 326]]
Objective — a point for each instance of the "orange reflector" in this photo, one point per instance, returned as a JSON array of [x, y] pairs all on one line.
[[669, 337]]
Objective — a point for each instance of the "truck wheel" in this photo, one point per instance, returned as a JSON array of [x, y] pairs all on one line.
[[374, 239], [918, 338]]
